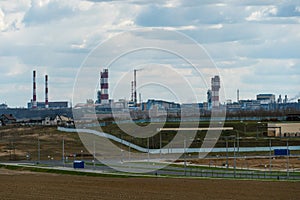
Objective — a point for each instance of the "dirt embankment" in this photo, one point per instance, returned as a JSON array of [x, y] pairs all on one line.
[[15, 185]]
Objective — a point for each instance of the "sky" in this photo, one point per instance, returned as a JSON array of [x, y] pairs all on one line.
[[255, 46]]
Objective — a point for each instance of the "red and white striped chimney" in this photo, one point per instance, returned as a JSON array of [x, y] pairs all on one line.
[[34, 103], [46, 92], [104, 87]]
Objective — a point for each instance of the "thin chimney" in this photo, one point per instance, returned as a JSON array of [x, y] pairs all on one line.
[[34, 103], [46, 92]]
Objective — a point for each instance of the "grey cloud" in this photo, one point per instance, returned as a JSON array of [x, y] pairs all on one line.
[[53, 11], [161, 16], [289, 10]]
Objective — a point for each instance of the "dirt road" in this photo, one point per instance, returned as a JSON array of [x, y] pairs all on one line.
[[28, 185]]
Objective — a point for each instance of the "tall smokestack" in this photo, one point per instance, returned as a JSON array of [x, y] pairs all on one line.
[[46, 92], [132, 91], [135, 94], [104, 87], [238, 96], [215, 87], [34, 103]]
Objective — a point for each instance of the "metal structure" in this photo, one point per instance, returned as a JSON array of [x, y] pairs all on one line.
[[134, 87]]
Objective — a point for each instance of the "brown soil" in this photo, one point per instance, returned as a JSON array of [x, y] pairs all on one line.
[[15, 185], [16, 143]]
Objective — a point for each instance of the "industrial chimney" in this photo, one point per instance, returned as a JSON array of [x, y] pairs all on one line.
[[134, 87], [34, 103], [104, 87], [46, 92], [215, 87]]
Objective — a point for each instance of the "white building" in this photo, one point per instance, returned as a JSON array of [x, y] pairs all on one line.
[[284, 129]]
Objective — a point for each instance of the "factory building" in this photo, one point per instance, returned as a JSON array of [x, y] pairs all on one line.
[[34, 104], [284, 129], [266, 98], [160, 104], [250, 104], [55, 104]]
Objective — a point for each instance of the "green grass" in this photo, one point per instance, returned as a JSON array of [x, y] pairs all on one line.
[[217, 175], [63, 172]]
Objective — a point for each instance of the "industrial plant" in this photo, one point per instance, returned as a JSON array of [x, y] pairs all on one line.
[[265, 106], [37, 112], [34, 104], [105, 107]]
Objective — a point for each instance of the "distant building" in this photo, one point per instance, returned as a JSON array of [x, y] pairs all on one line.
[[191, 109], [160, 104], [250, 105], [284, 129], [233, 107], [3, 106], [266, 98], [279, 99], [121, 104], [209, 100], [7, 119], [285, 99], [54, 104]]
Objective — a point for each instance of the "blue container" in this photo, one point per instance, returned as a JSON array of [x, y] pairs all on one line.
[[78, 164], [281, 152]]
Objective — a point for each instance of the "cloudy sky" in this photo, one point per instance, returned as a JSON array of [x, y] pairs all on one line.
[[254, 44]]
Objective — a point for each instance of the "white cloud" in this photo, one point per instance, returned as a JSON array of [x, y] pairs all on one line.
[[216, 26], [262, 14], [54, 37], [2, 23]]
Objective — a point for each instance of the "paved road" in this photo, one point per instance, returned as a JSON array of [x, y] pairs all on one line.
[[171, 170]]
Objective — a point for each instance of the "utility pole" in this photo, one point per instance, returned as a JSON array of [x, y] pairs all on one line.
[[63, 151], [234, 156], [148, 150], [160, 144], [288, 159], [129, 154], [39, 151], [226, 152], [184, 149], [238, 143], [94, 153], [270, 156]]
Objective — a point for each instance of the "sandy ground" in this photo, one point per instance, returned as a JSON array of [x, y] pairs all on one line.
[[28, 185]]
